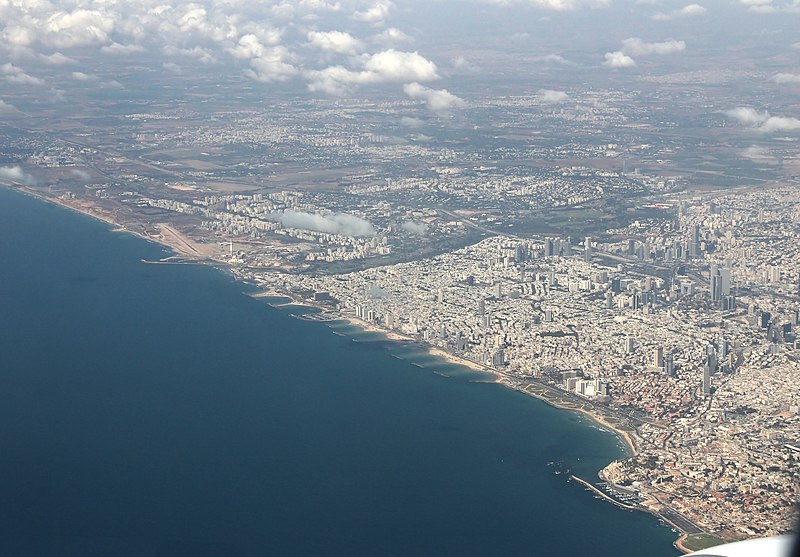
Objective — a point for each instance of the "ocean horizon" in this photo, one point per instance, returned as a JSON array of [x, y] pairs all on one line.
[[157, 410]]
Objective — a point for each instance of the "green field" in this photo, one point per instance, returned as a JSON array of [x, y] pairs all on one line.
[[696, 542]]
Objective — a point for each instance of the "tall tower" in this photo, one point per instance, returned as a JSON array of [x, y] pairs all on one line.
[[658, 357], [587, 249]]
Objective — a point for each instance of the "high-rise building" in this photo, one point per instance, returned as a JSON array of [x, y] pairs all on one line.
[[706, 381], [481, 307], [658, 357], [722, 348], [669, 365], [498, 358], [549, 247], [587, 249], [629, 345], [725, 277]]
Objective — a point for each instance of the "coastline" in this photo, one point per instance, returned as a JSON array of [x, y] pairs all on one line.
[[179, 244]]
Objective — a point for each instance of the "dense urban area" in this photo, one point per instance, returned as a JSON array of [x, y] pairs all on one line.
[[578, 252]]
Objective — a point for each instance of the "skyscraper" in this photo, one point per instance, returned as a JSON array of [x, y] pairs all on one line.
[[658, 357], [669, 365]]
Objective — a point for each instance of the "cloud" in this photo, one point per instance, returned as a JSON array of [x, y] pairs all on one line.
[[637, 47], [756, 152], [80, 27], [393, 65], [769, 7], [335, 223], [118, 48], [786, 78], [779, 124], [411, 122], [392, 36], [80, 76], [57, 59], [762, 121], [80, 174], [270, 41], [551, 96], [17, 175], [437, 100], [746, 115], [552, 59], [388, 66], [416, 228], [268, 61], [691, 10], [376, 14], [555, 5], [335, 41], [15, 75], [618, 59], [6, 108]]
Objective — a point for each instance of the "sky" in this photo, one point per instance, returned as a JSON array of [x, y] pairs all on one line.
[[424, 51]]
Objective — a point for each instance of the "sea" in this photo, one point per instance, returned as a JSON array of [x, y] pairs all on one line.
[[151, 409]]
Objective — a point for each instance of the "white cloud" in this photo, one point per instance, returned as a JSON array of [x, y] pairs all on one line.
[[437, 100], [392, 36], [268, 63], [6, 108], [57, 59], [618, 59], [272, 66], [786, 78], [690, 10], [118, 48], [270, 41], [16, 175], [411, 122], [397, 66], [770, 7], [746, 115], [637, 47], [552, 59], [376, 14], [551, 96], [80, 76], [762, 121], [389, 66], [756, 152], [335, 41], [779, 124], [78, 28], [416, 228], [334, 223], [15, 75], [555, 5]]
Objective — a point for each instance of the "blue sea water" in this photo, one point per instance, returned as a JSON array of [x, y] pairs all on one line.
[[156, 410]]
